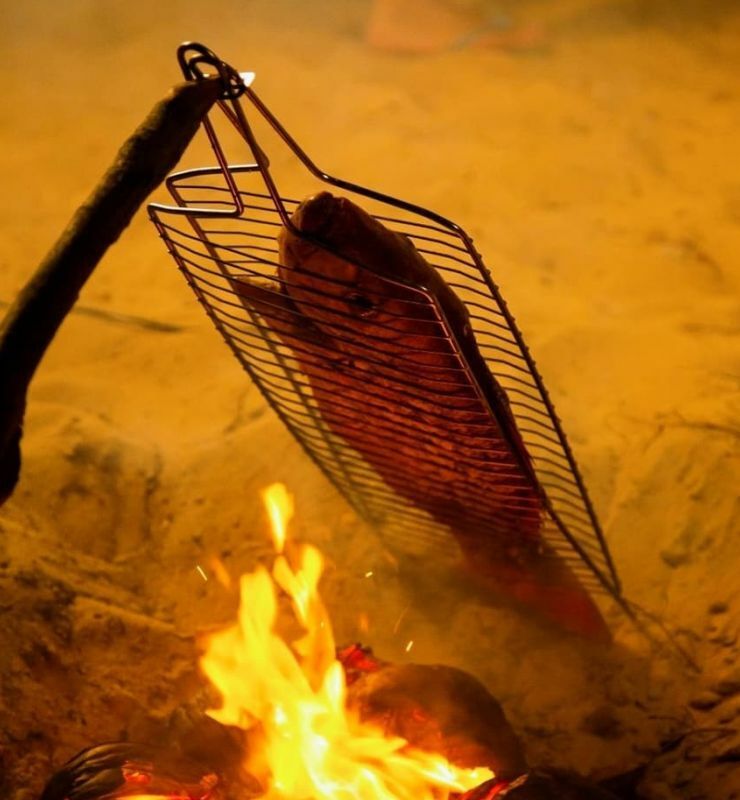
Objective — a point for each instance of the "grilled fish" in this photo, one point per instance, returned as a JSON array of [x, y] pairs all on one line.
[[396, 373]]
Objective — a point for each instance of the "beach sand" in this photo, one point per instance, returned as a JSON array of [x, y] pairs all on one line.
[[599, 176]]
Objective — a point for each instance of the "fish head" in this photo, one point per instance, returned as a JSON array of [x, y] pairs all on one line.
[[338, 265]]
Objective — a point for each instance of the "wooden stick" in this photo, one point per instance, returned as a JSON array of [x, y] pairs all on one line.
[[34, 318]]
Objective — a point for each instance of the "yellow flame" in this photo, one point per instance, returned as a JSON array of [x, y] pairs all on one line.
[[279, 505], [294, 694]]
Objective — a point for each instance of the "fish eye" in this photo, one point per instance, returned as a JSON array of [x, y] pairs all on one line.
[[360, 303]]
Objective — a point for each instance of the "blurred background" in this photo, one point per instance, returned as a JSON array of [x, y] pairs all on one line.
[[590, 148]]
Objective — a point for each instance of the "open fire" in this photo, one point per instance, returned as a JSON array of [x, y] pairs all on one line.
[[291, 696]]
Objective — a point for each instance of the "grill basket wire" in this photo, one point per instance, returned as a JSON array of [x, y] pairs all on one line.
[[222, 233]]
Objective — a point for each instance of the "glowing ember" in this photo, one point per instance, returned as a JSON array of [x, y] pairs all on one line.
[[292, 696]]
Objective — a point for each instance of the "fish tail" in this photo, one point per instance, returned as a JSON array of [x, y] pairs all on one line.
[[539, 582]]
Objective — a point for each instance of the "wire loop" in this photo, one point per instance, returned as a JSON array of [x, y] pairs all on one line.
[[193, 57]]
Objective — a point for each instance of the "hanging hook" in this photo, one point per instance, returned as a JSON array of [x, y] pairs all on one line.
[[193, 56]]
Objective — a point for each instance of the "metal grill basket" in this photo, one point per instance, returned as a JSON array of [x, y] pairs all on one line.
[[222, 231]]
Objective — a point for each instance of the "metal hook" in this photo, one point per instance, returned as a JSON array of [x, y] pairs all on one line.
[[192, 68]]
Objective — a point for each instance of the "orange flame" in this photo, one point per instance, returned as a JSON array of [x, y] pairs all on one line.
[[294, 695], [279, 505]]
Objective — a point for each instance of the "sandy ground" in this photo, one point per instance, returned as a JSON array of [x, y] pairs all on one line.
[[599, 178]]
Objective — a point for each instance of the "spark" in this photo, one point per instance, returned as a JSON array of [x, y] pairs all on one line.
[[400, 619], [409, 645], [201, 572], [369, 574]]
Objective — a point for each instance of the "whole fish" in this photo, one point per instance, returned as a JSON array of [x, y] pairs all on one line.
[[396, 373]]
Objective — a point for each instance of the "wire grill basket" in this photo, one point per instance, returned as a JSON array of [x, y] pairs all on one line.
[[403, 427]]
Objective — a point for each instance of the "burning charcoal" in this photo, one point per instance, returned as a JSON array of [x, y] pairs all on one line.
[[357, 661], [118, 769], [543, 784], [442, 710], [552, 784]]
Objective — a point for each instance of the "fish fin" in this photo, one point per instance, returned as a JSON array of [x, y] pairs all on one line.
[[278, 311]]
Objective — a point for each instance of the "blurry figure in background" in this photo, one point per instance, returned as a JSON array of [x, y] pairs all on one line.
[[435, 26]]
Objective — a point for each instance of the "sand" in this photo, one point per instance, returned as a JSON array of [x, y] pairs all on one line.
[[599, 177]]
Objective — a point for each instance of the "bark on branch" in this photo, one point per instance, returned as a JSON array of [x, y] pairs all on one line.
[[33, 319]]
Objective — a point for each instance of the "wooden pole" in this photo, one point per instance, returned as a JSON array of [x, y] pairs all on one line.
[[33, 319]]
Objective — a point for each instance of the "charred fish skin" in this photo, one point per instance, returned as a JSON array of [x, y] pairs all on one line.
[[389, 353]]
